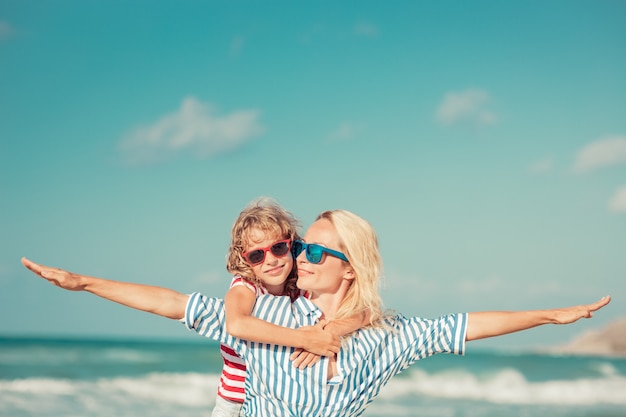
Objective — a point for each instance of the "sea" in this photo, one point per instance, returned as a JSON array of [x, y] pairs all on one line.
[[72, 377]]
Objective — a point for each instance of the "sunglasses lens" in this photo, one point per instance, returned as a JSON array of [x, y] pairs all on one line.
[[298, 247], [314, 253], [280, 248], [255, 256]]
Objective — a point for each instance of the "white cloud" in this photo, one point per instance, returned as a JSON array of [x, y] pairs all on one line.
[[469, 105], [4, 272], [6, 30], [601, 153], [617, 204], [207, 278], [542, 166], [364, 28], [491, 284], [345, 131], [312, 32], [236, 45], [192, 128], [497, 284]]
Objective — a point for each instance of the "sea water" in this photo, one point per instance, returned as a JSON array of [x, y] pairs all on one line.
[[103, 378]]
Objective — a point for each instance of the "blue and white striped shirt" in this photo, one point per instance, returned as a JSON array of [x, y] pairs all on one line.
[[366, 362]]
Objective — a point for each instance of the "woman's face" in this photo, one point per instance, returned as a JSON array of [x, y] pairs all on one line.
[[331, 274], [274, 270]]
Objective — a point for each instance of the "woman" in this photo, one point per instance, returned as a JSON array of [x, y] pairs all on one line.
[[339, 266]]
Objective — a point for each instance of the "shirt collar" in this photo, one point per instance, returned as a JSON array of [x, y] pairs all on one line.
[[304, 307]]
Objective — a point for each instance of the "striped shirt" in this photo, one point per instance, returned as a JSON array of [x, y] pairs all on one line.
[[232, 382], [366, 362]]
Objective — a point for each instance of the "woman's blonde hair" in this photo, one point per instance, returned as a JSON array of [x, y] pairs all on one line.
[[266, 215], [358, 241]]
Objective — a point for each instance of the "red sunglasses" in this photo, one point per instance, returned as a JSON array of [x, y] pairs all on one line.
[[278, 249]]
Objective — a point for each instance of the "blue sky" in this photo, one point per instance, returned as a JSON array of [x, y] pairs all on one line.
[[484, 140]]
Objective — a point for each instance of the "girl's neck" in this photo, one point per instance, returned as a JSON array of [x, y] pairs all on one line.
[[275, 289]]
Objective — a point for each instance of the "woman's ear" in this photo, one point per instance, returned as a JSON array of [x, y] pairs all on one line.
[[349, 274]]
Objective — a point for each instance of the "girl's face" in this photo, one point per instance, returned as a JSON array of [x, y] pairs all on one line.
[[331, 274], [273, 270]]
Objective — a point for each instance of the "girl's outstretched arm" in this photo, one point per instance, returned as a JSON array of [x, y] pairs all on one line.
[[157, 300], [496, 323], [239, 302]]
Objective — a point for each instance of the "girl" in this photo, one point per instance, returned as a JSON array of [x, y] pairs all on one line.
[[261, 261]]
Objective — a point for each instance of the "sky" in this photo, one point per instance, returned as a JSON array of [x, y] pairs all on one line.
[[485, 141]]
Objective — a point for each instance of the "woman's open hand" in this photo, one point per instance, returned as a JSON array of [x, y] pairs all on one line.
[[59, 277], [571, 314]]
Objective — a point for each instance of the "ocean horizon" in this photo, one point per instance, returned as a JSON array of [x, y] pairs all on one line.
[[72, 376]]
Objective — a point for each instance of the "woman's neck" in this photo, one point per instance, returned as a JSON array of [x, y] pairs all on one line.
[[329, 303]]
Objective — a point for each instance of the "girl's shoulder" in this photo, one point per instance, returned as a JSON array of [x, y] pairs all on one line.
[[256, 288]]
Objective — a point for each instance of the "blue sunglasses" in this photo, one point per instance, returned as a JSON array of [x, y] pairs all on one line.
[[315, 252]]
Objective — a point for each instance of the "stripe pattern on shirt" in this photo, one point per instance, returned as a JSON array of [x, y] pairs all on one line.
[[367, 360]]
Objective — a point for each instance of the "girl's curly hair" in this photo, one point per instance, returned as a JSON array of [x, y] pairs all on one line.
[[268, 216]]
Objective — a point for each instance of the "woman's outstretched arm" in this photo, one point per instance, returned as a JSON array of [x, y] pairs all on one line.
[[157, 300], [496, 323]]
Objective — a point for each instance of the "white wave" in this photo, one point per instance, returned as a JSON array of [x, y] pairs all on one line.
[[155, 394], [130, 355], [38, 386], [605, 368], [167, 394], [41, 356], [509, 386], [38, 356], [181, 389]]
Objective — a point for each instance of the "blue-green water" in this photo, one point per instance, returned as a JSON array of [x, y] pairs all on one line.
[[70, 377]]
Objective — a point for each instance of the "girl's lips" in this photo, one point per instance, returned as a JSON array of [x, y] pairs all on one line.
[[276, 270]]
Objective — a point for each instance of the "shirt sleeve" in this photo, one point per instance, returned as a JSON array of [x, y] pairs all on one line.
[[443, 335], [427, 337], [417, 338], [407, 340], [205, 316]]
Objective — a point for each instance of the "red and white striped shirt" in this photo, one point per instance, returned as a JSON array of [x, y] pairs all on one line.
[[232, 382]]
